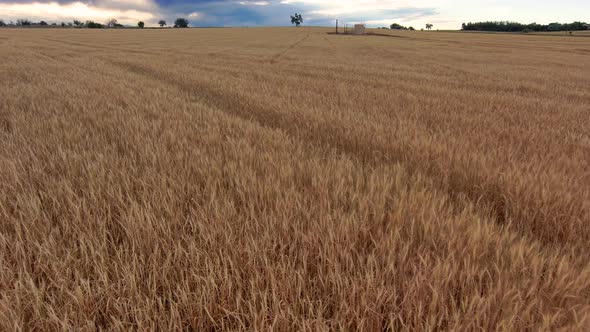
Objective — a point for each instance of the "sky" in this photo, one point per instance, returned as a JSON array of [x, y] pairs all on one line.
[[443, 14]]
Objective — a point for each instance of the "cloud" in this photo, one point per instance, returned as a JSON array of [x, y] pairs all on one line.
[[444, 13], [254, 3], [315, 12], [55, 11], [221, 12], [337, 8]]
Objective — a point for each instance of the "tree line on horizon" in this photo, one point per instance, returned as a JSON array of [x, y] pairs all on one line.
[[494, 26], [397, 26], [111, 23], [508, 26]]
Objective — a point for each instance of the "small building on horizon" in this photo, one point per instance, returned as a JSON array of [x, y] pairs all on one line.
[[359, 29]]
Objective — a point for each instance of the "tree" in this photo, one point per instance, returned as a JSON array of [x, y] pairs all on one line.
[[395, 26], [162, 23], [411, 28], [575, 26], [296, 19], [77, 23], [23, 22], [181, 23], [43, 23], [140, 24], [94, 25], [2, 24], [111, 23], [554, 27], [429, 26], [507, 26], [63, 24]]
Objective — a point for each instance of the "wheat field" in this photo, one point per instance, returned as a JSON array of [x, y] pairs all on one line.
[[291, 179]]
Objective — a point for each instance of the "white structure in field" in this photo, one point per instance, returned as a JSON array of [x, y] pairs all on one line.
[[359, 29]]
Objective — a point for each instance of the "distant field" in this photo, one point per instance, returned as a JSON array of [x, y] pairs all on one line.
[[288, 179], [584, 33], [566, 33]]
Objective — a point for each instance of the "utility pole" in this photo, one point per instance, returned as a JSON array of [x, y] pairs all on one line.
[[336, 26]]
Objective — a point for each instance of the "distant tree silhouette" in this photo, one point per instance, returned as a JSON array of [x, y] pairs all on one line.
[[93, 25], [429, 26], [554, 27], [63, 24], [296, 19], [140, 24], [77, 23], [508, 26], [162, 23], [181, 23], [395, 26], [23, 22], [2, 24], [43, 23], [111, 23]]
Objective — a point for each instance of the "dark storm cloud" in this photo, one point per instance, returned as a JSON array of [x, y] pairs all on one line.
[[238, 12]]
